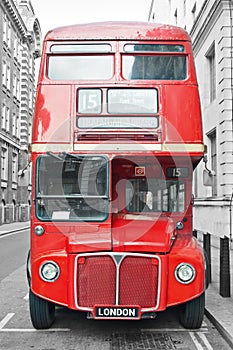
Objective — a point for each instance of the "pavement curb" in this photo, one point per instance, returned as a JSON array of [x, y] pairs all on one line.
[[224, 333]]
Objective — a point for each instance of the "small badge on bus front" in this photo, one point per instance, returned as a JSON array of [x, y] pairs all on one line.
[[116, 312]]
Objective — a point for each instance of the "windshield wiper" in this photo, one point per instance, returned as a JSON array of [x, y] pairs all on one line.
[[57, 156]]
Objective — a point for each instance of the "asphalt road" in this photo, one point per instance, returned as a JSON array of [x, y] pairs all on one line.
[[13, 252]]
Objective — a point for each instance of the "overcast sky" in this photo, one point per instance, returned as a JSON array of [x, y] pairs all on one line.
[[55, 13]]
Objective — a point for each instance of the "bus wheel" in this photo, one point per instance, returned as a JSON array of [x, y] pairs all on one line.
[[191, 314], [42, 312]]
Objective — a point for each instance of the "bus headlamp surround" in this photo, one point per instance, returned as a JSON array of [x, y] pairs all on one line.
[[49, 271], [185, 273]]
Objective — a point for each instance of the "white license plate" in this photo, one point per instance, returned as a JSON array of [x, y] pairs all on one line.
[[116, 312]]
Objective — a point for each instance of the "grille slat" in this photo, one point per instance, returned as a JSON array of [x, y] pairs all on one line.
[[97, 275]]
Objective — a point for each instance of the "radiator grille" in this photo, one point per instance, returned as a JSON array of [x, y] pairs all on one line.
[[97, 283], [138, 282], [97, 278]]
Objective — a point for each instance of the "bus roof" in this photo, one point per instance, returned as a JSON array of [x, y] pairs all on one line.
[[118, 31]]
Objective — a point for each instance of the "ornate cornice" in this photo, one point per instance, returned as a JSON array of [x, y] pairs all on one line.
[[29, 30], [206, 19], [14, 14]]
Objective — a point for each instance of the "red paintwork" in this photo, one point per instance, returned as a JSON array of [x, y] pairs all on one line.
[[143, 233], [118, 31], [123, 232], [188, 247]]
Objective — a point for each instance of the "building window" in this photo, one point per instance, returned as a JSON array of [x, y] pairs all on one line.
[[213, 155], [175, 17], [4, 73], [9, 36], [194, 9], [16, 48], [15, 125], [212, 72], [4, 163], [8, 119], [14, 167], [184, 6], [8, 83], [3, 116], [15, 85], [5, 29]]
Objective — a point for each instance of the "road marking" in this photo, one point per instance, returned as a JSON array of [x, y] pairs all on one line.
[[198, 345], [195, 341], [9, 316], [205, 341], [202, 330], [6, 320], [27, 330]]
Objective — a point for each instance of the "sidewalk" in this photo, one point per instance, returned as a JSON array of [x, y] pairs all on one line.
[[13, 227], [218, 309]]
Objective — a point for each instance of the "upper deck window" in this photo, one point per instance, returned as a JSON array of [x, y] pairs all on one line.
[[74, 48], [80, 67], [154, 67], [153, 48]]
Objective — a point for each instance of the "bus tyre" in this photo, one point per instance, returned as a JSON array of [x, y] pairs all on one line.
[[42, 312], [191, 313]]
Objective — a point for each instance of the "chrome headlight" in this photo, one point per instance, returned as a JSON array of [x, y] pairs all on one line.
[[49, 271], [185, 273]]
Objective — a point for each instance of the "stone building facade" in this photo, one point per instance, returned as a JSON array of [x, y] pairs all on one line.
[[20, 45], [210, 25]]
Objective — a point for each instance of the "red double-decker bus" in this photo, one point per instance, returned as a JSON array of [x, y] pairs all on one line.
[[117, 133]]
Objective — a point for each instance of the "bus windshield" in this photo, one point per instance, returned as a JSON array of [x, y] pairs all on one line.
[[72, 187]]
